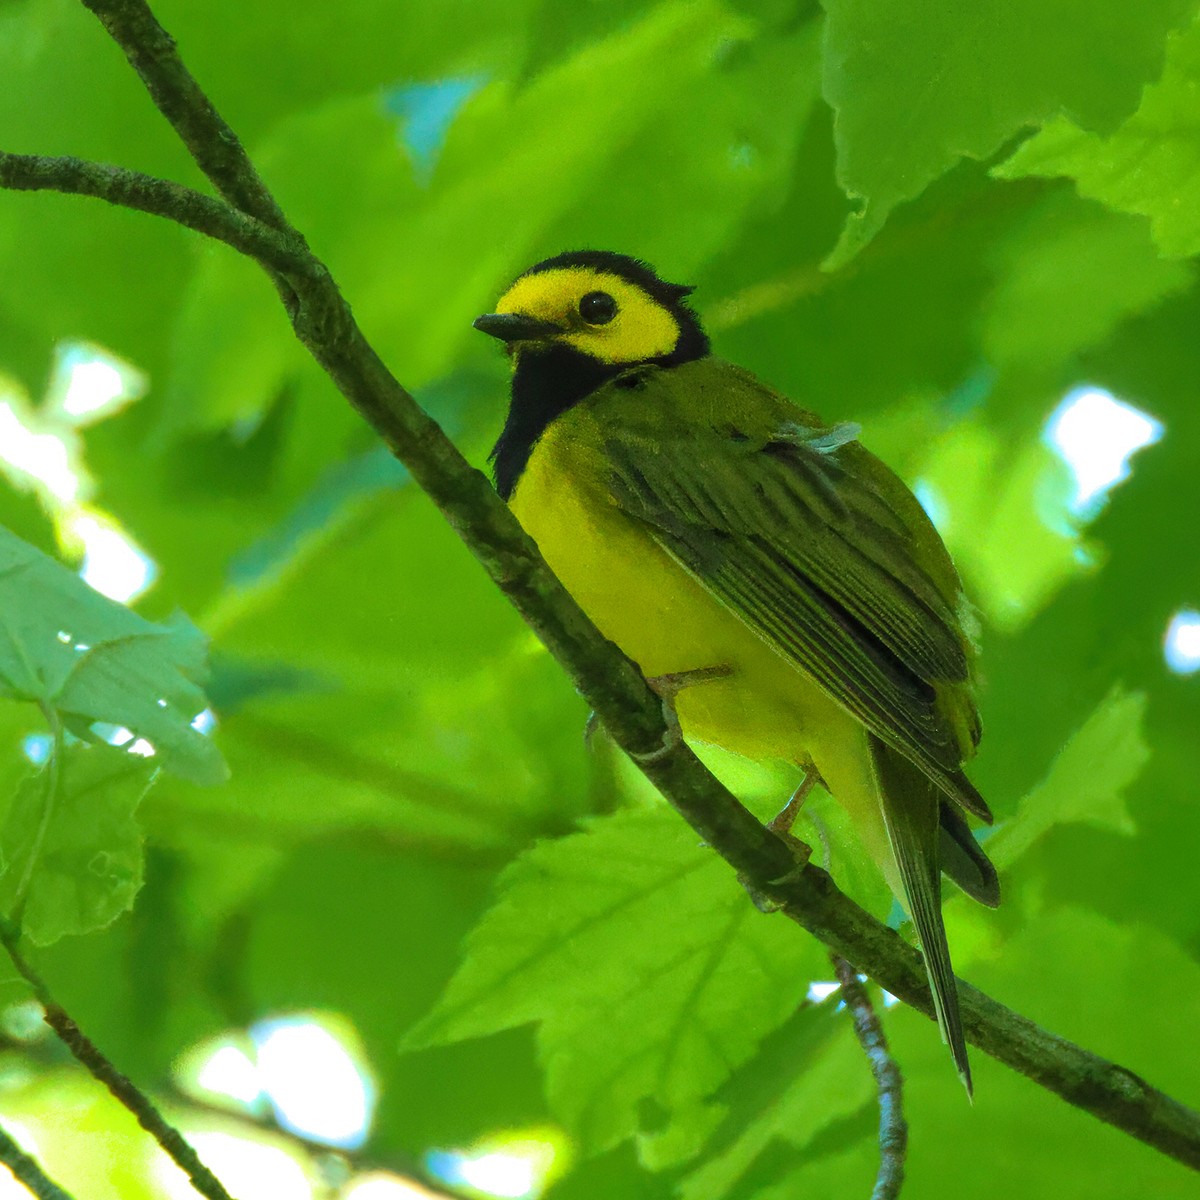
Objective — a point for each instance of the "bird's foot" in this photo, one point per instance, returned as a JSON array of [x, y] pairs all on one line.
[[765, 902], [671, 739], [667, 687], [785, 818], [781, 826]]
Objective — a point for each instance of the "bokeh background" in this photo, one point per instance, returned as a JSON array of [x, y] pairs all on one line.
[[969, 227]]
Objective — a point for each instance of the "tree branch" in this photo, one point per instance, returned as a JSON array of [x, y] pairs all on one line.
[[1108, 1091], [40, 1056], [893, 1128], [216, 149], [183, 205], [28, 1171], [142, 1107], [360, 1161], [606, 678]]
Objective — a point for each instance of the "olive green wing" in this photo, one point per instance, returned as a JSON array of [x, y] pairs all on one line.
[[789, 530]]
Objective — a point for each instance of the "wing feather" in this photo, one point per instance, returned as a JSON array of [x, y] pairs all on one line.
[[790, 533]]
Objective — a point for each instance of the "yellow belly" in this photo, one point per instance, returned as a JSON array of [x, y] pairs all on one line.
[[667, 622]]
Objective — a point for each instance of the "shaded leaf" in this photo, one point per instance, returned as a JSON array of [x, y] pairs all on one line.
[[1069, 275], [1122, 990], [379, 936], [808, 1075], [86, 864], [1086, 781], [1150, 166], [732, 140], [65, 260], [919, 84]]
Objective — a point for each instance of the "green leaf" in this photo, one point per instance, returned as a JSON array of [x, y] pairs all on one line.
[[264, 70], [651, 974], [917, 85], [1086, 782], [732, 142], [65, 646], [70, 843], [1150, 166], [1067, 278], [231, 347], [65, 259], [809, 1074]]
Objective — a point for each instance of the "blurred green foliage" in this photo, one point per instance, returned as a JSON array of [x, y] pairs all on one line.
[[1005, 199]]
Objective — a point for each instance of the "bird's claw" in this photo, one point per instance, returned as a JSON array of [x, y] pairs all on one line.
[[590, 728], [668, 687], [801, 852], [672, 739], [785, 818]]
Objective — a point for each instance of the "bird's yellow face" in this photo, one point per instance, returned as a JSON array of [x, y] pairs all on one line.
[[594, 311], [573, 323]]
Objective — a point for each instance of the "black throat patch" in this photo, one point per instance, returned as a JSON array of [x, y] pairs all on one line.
[[545, 385], [549, 382]]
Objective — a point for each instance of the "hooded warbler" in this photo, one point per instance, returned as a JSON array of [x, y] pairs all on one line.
[[719, 533]]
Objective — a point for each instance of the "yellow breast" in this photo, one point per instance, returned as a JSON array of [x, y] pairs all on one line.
[[665, 620]]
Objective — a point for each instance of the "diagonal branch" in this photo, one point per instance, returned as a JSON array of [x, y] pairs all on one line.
[[612, 685], [1106, 1090], [122, 1089], [216, 149], [893, 1128], [28, 1170], [42, 1054], [213, 145]]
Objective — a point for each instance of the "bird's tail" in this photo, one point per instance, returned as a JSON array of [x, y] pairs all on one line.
[[963, 858], [911, 811]]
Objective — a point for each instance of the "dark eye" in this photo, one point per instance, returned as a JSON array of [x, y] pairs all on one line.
[[597, 308]]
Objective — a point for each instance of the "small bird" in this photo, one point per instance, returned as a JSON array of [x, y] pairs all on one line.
[[775, 581]]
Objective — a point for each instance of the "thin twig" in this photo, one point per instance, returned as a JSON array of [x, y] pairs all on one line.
[[893, 1128], [124, 1090], [27, 1170], [144, 193], [772, 294], [360, 1161], [45, 1054], [607, 680], [811, 279]]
